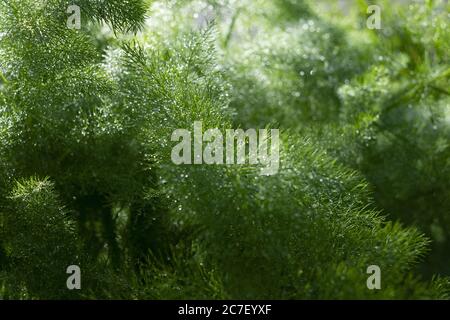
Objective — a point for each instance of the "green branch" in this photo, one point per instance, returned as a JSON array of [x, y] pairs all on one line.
[[3, 78], [231, 28], [409, 91]]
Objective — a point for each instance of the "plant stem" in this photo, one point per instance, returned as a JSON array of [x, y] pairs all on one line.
[[2, 77], [231, 28]]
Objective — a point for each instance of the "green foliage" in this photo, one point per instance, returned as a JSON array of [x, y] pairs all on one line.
[[401, 128], [364, 119], [122, 15], [267, 244], [39, 241]]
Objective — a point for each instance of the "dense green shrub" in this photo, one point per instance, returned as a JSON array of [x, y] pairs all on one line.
[[86, 176], [402, 123]]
